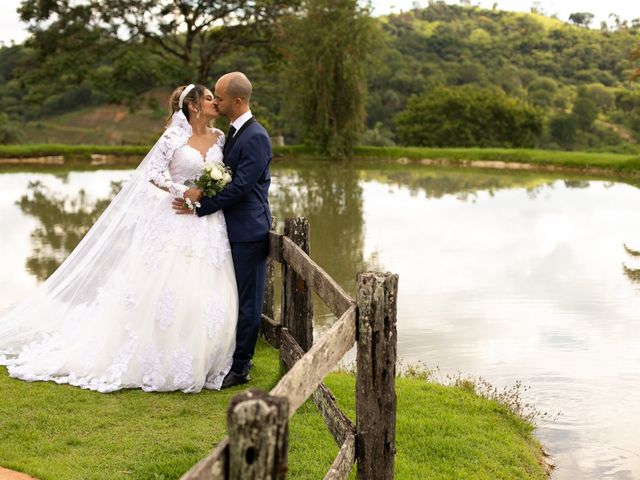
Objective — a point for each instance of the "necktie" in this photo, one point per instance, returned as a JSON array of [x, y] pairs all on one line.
[[229, 141]]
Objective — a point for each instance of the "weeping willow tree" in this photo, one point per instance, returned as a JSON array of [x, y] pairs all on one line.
[[326, 49]]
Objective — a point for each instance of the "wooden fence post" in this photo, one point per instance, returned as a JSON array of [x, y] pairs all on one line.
[[268, 303], [376, 299], [258, 428], [297, 308]]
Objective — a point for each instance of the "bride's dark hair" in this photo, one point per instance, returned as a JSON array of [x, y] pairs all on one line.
[[195, 96]]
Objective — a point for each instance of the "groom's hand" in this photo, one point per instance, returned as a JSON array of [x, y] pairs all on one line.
[[181, 207], [193, 194]]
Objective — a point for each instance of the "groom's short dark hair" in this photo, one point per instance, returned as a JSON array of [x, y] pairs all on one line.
[[239, 86]]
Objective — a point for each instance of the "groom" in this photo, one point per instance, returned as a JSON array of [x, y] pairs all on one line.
[[245, 203]]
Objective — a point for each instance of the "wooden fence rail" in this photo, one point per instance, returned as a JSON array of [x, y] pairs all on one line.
[[257, 422]]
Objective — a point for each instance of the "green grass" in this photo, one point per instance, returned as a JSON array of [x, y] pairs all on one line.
[[62, 432], [617, 162], [620, 163], [69, 151]]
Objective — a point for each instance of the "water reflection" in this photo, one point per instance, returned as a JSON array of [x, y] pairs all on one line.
[[330, 197], [63, 220], [524, 283], [466, 185], [435, 184], [632, 273]]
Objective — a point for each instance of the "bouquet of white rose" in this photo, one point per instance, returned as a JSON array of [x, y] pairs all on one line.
[[214, 178]]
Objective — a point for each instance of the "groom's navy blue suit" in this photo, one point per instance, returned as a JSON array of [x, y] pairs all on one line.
[[248, 216]]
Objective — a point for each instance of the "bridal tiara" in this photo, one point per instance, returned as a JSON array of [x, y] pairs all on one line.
[[184, 93]]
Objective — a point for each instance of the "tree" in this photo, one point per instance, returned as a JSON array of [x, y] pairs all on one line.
[[378, 136], [584, 109], [563, 129], [582, 19], [602, 96], [467, 72], [628, 106], [73, 61], [8, 132], [194, 33], [541, 92], [468, 116], [326, 52]]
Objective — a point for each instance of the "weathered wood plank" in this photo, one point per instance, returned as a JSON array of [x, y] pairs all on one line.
[[275, 246], [342, 465], [258, 428], [376, 298], [290, 351], [268, 303], [270, 330], [214, 466], [308, 372], [332, 294], [337, 422], [297, 307]]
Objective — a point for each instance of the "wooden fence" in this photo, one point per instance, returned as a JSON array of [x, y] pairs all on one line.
[[257, 422]]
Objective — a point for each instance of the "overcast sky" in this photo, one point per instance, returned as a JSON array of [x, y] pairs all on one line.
[[12, 29]]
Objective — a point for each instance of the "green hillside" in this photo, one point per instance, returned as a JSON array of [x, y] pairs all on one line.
[[572, 81], [537, 60], [108, 124]]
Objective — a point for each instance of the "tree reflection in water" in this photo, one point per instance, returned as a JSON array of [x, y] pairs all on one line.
[[329, 195], [464, 184], [632, 274], [64, 221]]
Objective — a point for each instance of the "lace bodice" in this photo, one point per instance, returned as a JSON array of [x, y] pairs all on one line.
[[174, 161], [187, 162]]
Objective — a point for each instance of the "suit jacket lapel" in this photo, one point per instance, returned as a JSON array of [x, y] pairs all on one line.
[[231, 141]]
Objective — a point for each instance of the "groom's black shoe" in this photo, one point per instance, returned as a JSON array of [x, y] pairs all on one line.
[[232, 379]]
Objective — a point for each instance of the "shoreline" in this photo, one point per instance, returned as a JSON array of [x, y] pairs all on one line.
[[496, 159], [514, 166]]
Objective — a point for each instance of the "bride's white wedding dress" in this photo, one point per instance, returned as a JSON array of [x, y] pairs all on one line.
[[147, 300]]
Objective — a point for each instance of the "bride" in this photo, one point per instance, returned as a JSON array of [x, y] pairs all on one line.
[[148, 299]]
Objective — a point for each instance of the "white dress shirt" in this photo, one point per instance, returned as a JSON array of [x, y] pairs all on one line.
[[240, 121]]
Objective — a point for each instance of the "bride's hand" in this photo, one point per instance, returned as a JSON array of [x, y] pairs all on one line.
[[185, 205], [181, 207]]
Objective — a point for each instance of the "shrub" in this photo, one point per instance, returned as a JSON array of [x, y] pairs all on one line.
[[9, 133], [468, 116]]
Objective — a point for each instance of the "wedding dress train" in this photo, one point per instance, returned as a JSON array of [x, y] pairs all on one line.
[[147, 300]]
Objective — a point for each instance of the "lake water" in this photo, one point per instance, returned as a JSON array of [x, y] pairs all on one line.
[[511, 277]]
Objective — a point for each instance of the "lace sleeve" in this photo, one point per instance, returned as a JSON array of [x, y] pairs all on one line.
[[159, 164], [221, 138]]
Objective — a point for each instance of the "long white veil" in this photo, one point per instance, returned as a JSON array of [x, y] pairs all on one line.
[[65, 296]]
